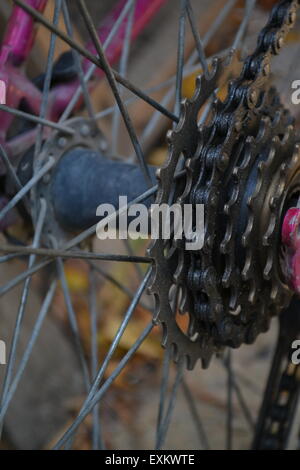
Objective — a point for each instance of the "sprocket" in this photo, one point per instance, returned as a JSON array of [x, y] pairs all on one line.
[[241, 165]]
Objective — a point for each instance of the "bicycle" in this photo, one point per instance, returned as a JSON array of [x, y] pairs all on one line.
[[232, 147]]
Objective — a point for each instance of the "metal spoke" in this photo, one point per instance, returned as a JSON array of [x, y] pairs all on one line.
[[198, 41], [130, 252], [171, 406], [115, 282], [243, 404], [229, 415], [21, 311], [36, 177], [166, 84], [40, 18], [250, 4], [13, 174], [97, 438], [27, 353], [180, 57], [78, 239], [224, 12], [73, 323], [156, 117], [23, 276], [28, 250], [73, 242], [4, 259], [195, 415], [99, 376], [119, 335], [113, 85], [241, 399], [123, 72], [10, 168], [36, 119], [92, 230], [163, 394], [93, 67], [99, 394], [46, 87], [76, 57]]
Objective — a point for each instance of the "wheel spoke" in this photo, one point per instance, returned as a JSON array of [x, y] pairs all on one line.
[[123, 71], [115, 282], [97, 397], [203, 439], [4, 259], [92, 230], [74, 241], [113, 85], [119, 335], [243, 404], [36, 177], [22, 307], [10, 168], [28, 250], [156, 117], [84, 52], [83, 84], [27, 353], [250, 4], [11, 171], [46, 87], [36, 119], [229, 415], [171, 405], [163, 394], [93, 391], [97, 438], [180, 57], [23, 276], [93, 67], [73, 323], [197, 38]]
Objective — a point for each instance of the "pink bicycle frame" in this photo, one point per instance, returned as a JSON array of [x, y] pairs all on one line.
[[16, 48]]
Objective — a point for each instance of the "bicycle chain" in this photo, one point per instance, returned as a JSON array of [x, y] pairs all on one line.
[[216, 314], [280, 399]]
